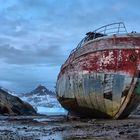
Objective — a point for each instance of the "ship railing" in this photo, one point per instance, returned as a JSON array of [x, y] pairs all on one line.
[[114, 28], [110, 29]]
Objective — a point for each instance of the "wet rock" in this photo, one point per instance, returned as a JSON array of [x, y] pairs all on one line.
[[24, 127], [121, 132], [77, 126], [128, 131], [126, 125], [12, 105]]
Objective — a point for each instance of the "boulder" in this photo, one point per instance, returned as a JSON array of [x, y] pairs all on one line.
[[13, 105]]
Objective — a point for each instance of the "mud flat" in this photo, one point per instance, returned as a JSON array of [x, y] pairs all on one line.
[[60, 128]]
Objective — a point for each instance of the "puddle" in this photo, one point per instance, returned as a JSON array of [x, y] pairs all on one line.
[[56, 136]]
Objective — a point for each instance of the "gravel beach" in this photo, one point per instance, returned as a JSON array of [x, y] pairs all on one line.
[[61, 128]]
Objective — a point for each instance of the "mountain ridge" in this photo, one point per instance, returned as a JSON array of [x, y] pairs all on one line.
[[40, 90]]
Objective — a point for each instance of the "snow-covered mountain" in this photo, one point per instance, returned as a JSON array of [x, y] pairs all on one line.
[[41, 96], [39, 91], [42, 99]]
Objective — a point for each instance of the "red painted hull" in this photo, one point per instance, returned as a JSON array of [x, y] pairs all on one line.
[[110, 55]]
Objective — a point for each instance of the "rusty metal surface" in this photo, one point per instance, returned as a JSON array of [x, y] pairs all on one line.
[[102, 76]]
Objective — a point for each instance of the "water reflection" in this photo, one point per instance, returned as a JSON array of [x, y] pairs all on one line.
[[56, 136]]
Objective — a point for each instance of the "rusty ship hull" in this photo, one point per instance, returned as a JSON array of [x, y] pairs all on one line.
[[101, 78]]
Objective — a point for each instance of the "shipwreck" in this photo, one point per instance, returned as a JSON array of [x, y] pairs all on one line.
[[101, 77]]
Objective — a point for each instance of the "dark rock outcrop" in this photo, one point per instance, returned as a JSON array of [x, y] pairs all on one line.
[[12, 105]]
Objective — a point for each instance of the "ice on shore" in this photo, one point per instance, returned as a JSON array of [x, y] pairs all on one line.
[[51, 111]]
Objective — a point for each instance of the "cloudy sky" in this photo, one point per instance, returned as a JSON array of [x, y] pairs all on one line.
[[36, 36]]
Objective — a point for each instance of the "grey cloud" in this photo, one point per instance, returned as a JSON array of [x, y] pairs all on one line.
[[85, 15], [49, 56], [4, 39]]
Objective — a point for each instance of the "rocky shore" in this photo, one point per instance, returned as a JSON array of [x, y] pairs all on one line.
[[32, 126], [60, 128]]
